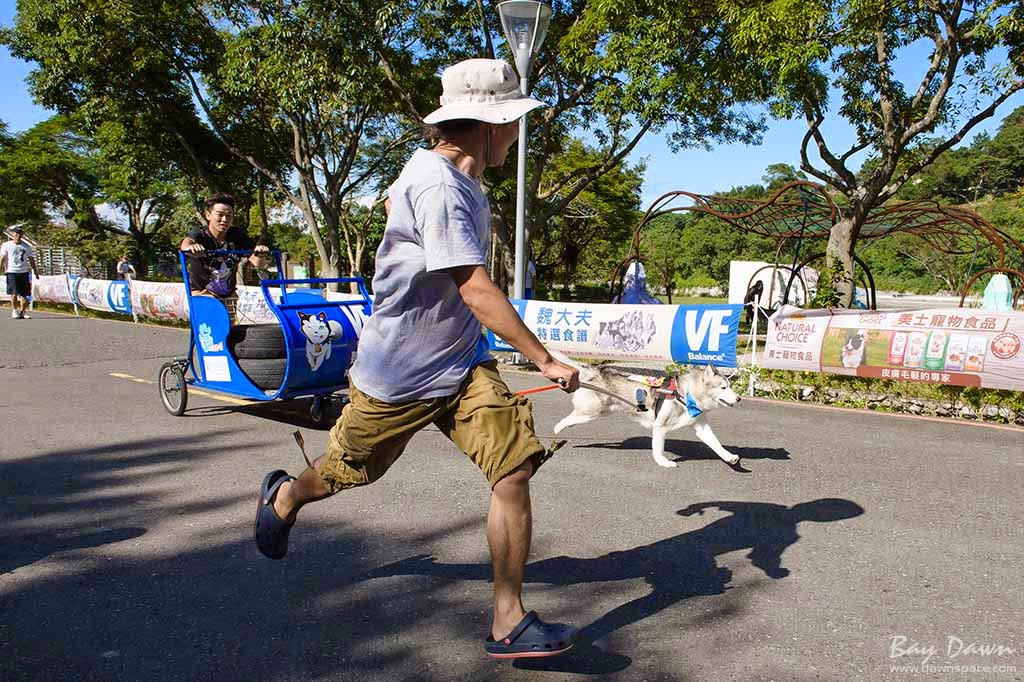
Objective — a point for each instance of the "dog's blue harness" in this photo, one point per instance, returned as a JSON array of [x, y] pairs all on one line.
[[692, 408]]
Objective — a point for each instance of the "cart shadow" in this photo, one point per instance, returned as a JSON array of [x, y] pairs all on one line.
[[294, 412]]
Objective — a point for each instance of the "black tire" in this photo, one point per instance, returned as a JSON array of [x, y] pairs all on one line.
[[257, 342], [265, 373], [173, 389]]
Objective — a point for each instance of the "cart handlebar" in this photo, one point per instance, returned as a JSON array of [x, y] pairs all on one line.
[[314, 280], [228, 252]]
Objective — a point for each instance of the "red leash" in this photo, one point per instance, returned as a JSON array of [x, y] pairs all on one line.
[[583, 384], [538, 389]]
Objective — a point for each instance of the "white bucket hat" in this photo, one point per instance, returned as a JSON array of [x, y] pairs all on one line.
[[482, 90]]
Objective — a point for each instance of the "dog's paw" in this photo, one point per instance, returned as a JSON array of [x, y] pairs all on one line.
[[732, 459], [667, 463]]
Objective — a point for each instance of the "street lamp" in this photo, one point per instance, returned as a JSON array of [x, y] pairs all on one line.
[[525, 23]]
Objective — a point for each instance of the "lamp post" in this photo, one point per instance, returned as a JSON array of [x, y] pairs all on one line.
[[525, 23]]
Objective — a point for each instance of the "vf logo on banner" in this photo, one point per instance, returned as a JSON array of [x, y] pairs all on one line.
[[706, 335]]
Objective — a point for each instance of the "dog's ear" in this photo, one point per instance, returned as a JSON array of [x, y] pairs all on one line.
[[322, 316], [302, 316], [710, 371]]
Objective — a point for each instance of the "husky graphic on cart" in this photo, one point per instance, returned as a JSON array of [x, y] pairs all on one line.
[[319, 332]]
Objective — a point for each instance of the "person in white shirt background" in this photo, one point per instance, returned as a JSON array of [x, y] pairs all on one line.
[[125, 270], [18, 259]]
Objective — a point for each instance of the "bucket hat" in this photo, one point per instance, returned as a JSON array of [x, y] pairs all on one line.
[[482, 90]]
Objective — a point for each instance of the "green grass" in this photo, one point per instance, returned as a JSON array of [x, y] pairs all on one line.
[[694, 300]]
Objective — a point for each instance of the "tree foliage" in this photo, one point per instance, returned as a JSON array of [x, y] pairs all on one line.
[[854, 48]]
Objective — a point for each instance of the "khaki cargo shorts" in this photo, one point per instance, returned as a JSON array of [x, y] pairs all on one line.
[[488, 422]]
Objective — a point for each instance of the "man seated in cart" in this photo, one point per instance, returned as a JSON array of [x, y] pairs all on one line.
[[218, 275]]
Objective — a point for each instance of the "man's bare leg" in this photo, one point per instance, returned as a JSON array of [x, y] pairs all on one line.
[[308, 487], [509, 530]]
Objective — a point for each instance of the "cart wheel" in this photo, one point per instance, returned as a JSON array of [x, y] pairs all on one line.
[[173, 388], [316, 411]]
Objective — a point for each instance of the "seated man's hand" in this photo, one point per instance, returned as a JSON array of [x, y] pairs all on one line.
[[194, 248], [261, 249]]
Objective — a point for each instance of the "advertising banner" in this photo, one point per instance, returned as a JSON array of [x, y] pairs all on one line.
[[691, 334], [955, 346], [163, 300], [252, 307], [52, 288], [102, 294]]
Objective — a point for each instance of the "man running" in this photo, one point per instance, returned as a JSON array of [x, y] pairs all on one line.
[[422, 359]]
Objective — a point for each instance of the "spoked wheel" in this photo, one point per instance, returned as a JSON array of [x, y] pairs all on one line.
[[316, 411], [173, 388]]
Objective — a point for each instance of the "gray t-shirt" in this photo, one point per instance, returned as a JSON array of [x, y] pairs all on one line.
[[422, 340], [18, 256]]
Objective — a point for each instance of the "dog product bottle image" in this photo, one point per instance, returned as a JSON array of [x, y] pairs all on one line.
[[976, 348], [956, 352], [897, 347], [915, 349], [935, 355]]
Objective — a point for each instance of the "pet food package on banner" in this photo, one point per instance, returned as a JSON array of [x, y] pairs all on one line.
[[956, 352], [897, 347], [915, 349], [935, 355], [976, 348]]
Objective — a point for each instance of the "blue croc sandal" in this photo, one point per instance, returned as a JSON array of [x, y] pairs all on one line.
[[271, 530], [532, 638]]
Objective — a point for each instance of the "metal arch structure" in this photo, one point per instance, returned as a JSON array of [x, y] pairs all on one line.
[[804, 210]]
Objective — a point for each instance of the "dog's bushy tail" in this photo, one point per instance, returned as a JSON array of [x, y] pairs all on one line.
[[586, 372]]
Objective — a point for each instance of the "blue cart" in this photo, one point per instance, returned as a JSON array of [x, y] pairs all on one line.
[[307, 352]]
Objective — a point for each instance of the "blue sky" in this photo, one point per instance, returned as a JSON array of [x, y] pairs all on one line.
[[699, 171]]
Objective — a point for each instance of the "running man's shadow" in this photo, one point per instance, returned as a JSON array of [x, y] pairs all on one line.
[[675, 568]]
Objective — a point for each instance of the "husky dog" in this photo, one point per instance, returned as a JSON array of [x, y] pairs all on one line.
[[684, 399], [319, 332], [854, 351]]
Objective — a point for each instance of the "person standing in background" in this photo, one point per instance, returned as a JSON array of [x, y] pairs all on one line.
[[531, 274], [125, 270], [18, 259]]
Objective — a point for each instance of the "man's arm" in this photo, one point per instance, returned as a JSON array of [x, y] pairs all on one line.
[[32, 264], [489, 304], [189, 244], [260, 257]]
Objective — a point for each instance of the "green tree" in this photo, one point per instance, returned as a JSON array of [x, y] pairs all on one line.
[[294, 90], [612, 73], [50, 169], [660, 244], [810, 49], [592, 230]]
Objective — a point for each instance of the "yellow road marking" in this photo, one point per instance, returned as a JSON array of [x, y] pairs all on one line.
[[129, 377], [196, 391]]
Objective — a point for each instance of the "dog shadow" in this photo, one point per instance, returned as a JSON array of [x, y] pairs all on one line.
[[675, 568], [689, 449]]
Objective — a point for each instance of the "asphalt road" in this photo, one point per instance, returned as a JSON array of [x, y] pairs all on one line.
[[856, 542]]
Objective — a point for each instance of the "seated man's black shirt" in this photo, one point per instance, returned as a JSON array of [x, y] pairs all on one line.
[[217, 274]]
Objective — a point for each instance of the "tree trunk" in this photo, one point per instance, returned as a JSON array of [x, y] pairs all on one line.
[[837, 280], [503, 270]]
